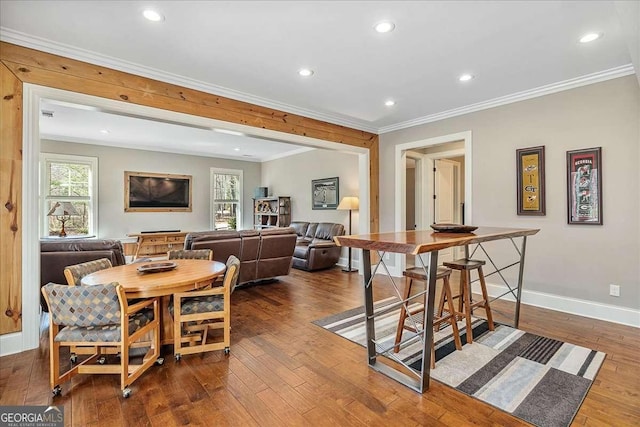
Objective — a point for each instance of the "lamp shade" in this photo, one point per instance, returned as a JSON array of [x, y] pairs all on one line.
[[63, 209], [349, 203]]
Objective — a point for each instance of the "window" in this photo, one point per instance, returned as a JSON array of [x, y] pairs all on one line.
[[73, 179], [226, 199]]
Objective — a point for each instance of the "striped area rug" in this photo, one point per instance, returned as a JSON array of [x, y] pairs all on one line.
[[539, 380]]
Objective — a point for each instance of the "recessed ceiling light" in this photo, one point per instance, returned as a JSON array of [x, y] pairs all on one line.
[[384, 27], [305, 72], [152, 15], [104, 131], [389, 102], [228, 132], [236, 149], [465, 77], [590, 37]]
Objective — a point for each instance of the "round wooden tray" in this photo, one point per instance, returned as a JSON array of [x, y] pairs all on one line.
[[453, 228], [157, 267]]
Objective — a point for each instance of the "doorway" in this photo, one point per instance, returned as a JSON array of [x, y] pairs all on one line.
[[450, 183]]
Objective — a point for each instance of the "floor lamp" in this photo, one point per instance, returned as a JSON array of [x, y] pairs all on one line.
[[350, 204]]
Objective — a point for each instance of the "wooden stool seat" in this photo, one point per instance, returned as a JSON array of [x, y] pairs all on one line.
[[419, 274], [466, 306], [417, 315], [464, 264]]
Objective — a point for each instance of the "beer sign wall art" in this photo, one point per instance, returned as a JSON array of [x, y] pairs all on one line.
[[584, 186], [531, 196]]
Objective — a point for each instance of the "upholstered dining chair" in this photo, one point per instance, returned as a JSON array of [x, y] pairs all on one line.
[[75, 273], [190, 254], [200, 311], [100, 317]]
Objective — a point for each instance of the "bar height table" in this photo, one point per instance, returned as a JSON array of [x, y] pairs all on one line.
[[416, 243]]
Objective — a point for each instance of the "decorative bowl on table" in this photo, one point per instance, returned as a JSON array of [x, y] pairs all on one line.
[[157, 267], [453, 228]]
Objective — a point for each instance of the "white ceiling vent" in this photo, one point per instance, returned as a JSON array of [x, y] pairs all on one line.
[[47, 113]]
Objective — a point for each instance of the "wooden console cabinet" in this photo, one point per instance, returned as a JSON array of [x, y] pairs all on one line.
[[158, 243]]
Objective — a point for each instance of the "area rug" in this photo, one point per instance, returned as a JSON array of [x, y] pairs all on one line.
[[539, 380]]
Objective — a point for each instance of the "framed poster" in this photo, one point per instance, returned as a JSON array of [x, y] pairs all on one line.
[[531, 181], [584, 186], [325, 193]]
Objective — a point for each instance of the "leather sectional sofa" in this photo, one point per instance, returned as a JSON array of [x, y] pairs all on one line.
[[56, 254], [263, 254], [315, 247]]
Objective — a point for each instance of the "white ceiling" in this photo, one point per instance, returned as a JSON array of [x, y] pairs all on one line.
[[251, 51], [82, 124]]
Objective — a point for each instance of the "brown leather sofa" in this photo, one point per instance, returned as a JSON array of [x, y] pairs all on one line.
[[57, 254], [315, 248], [263, 254]]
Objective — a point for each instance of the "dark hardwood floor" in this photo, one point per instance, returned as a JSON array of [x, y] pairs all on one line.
[[283, 370]]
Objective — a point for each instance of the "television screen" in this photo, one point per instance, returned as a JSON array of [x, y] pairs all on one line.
[[159, 192]]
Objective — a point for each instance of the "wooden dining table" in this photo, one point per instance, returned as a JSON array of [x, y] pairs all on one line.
[[189, 274]]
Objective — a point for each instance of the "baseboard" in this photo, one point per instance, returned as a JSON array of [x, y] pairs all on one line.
[[585, 308], [11, 343]]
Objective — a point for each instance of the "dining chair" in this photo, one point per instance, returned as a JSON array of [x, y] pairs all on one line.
[[75, 273], [195, 313], [100, 317]]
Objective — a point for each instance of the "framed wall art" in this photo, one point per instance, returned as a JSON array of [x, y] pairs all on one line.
[[325, 193], [584, 186], [531, 181], [155, 192]]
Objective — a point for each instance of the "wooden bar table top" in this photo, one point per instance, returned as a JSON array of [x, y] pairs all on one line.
[[415, 242]]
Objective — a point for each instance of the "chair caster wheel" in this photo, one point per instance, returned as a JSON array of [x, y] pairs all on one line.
[[102, 360], [126, 392], [57, 391], [177, 357], [227, 351], [160, 361], [73, 358]]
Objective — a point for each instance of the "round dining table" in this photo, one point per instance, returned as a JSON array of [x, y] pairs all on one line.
[[144, 280]]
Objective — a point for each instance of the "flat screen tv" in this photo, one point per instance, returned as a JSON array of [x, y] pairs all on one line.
[[155, 192]]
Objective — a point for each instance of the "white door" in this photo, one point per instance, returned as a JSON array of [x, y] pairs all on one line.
[[445, 200]]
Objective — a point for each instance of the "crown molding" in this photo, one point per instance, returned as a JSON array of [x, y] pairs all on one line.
[[588, 79], [38, 43]]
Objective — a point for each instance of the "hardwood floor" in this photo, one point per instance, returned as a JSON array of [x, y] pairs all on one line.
[[283, 370]]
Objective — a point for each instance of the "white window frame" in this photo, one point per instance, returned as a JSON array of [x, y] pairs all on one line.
[[221, 171], [92, 200]]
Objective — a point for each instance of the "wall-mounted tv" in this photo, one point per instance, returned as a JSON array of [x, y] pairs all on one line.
[[156, 192]]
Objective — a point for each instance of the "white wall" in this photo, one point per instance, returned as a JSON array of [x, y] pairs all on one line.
[[577, 261], [292, 176], [114, 222]]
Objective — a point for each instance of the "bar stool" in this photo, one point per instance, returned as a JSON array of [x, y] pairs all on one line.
[[466, 306], [417, 273]]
